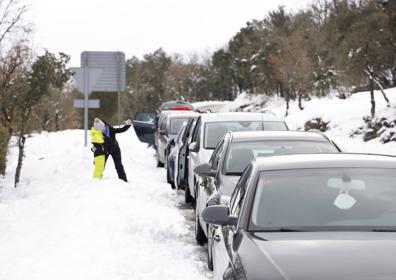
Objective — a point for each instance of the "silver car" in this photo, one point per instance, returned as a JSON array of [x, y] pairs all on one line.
[[230, 158], [209, 130]]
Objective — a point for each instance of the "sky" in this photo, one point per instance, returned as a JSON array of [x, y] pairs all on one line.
[[138, 27]]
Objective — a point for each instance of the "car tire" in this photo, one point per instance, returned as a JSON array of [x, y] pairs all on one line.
[[187, 196], [159, 164], [210, 249], [200, 236], [168, 179]]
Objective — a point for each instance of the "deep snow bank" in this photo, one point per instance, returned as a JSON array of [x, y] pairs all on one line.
[[343, 116], [60, 224]]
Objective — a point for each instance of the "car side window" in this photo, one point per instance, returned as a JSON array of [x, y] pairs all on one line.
[[162, 124], [194, 136], [239, 192], [197, 132], [215, 158]]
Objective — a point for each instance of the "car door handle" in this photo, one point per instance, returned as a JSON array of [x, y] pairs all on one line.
[[216, 238]]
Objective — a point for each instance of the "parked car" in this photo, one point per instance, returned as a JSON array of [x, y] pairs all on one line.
[[177, 147], [319, 216], [230, 158], [208, 131], [176, 105], [168, 128]]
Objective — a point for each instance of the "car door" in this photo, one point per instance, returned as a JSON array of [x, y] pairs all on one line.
[[207, 186], [182, 165], [193, 159], [162, 138], [144, 126], [223, 254]]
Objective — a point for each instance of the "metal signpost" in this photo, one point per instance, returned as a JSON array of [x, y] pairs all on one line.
[[102, 72]]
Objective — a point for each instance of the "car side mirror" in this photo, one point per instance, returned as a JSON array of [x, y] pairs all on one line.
[[193, 147], [219, 215], [204, 170]]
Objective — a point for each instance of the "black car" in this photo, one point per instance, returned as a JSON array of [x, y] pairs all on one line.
[[316, 216], [231, 156]]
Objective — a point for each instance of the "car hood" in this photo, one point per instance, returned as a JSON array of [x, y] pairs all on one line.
[[324, 256]]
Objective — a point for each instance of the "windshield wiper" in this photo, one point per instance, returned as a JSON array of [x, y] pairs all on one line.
[[383, 230], [282, 230], [234, 173]]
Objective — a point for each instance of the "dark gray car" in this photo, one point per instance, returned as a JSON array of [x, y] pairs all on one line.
[[230, 158], [301, 217]]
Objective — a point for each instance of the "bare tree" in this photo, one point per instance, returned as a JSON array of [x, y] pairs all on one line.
[[11, 13]]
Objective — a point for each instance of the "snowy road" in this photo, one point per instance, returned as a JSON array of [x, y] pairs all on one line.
[[60, 224]]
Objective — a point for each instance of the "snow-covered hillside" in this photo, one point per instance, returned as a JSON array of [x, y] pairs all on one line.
[[343, 116], [61, 224]]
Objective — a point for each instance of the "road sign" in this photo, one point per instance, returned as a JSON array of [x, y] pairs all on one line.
[[92, 103], [100, 71], [113, 64], [93, 76]]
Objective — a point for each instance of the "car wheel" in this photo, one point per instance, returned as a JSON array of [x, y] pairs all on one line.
[[187, 196], [159, 164], [166, 160], [210, 248], [199, 233], [168, 179]]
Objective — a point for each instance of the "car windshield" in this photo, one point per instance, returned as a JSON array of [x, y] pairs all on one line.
[[241, 153], [176, 124], [215, 130], [325, 199]]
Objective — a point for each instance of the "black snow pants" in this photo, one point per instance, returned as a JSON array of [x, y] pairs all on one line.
[[115, 153]]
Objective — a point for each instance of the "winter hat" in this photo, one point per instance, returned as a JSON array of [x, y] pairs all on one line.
[[99, 124]]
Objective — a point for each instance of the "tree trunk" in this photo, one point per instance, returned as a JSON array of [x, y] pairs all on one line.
[[21, 147], [287, 96], [300, 93], [383, 92], [57, 120], [372, 99]]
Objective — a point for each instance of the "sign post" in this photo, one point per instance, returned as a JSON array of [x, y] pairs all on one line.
[[102, 72]]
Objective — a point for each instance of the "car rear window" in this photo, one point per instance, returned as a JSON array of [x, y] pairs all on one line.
[[215, 130], [241, 153]]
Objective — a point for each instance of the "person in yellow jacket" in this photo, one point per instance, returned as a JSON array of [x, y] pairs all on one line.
[[98, 148]]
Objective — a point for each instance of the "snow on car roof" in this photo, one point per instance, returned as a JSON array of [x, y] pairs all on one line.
[[334, 160], [239, 116], [242, 136]]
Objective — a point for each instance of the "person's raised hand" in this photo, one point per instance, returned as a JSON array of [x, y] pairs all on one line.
[[128, 122]]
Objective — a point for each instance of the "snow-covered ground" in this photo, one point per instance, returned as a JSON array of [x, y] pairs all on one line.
[[61, 224], [344, 116]]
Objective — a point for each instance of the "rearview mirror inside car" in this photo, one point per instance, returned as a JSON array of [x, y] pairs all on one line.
[[219, 215]]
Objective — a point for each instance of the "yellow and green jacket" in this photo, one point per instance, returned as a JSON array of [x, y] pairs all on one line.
[[98, 141]]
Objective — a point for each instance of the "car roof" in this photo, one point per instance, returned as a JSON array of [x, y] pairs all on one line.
[[239, 116], [179, 114], [333, 160], [242, 136]]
